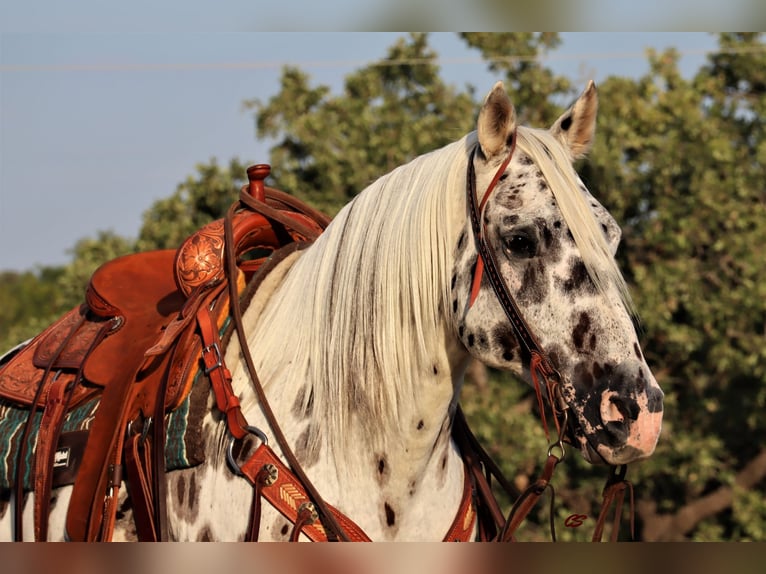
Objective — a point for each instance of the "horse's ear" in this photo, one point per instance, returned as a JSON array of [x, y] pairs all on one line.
[[577, 126], [497, 122]]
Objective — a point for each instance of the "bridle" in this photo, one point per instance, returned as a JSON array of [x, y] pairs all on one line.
[[540, 364], [263, 469], [541, 369]]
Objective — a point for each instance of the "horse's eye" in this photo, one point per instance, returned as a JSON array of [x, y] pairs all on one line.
[[521, 245]]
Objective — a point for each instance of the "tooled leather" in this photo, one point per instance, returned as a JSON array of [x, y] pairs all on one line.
[[20, 377], [287, 494]]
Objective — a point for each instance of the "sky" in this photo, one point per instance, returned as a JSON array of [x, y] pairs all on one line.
[[95, 127]]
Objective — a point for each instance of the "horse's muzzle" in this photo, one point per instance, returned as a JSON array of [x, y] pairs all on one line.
[[620, 416]]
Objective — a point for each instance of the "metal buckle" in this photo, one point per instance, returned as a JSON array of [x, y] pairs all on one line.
[[219, 362]]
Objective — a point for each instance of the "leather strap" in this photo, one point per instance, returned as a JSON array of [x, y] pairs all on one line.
[[220, 377], [463, 525], [138, 471], [528, 499], [47, 438], [21, 458], [327, 518], [614, 493], [507, 302]]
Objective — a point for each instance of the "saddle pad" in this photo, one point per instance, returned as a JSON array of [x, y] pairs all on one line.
[[184, 447]]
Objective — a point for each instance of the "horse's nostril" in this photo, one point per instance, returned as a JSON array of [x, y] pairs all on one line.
[[621, 407], [616, 416], [618, 430], [612, 408]]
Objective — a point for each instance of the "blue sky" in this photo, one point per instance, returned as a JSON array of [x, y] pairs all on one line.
[[96, 127]]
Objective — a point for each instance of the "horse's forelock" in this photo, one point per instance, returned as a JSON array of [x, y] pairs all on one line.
[[554, 162]]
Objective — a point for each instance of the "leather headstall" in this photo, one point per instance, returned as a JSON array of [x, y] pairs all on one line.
[[541, 368]]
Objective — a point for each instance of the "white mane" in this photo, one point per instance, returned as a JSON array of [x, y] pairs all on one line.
[[365, 303], [371, 293]]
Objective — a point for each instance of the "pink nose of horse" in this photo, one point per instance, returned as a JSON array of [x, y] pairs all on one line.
[[630, 409]]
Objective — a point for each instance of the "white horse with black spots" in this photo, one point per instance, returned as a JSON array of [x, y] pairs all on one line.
[[362, 340]]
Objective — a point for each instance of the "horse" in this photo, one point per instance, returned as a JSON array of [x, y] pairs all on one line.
[[362, 339]]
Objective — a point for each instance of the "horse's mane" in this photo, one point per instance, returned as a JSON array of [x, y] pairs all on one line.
[[367, 299], [362, 309]]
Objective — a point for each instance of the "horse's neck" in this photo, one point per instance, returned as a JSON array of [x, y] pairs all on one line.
[[396, 483]]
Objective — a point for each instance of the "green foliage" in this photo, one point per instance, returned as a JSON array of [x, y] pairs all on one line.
[[330, 147], [196, 201], [536, 90]]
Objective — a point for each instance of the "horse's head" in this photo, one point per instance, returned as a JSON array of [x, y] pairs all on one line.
[[553, 245]]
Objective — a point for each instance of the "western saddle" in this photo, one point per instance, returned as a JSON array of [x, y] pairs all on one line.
[[149, 323]]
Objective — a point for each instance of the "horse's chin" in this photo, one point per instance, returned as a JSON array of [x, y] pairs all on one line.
[[589, 454], [603, 455]]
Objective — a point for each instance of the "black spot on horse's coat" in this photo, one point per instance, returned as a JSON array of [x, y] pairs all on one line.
[[502, 337], [557, 224], [285, 529], [471, 340], [181, 490], [304, 450], [504, 177], [637, 350], [510, 200], [509, 220], [525, 160], [566, 123], [461, 241], [579, 279], [454, 306], [534, 287], [192, 502], [297, 409], [543, 185], [421, 424], [436, 370], [454, 281], [583, 375], [580, 330], [205, 535], [547, 236], [390, 514], [460, 331]]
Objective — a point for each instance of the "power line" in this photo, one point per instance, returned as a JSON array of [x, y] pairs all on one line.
[[338, 64]]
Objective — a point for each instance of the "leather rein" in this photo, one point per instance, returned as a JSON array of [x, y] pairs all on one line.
[[304, 506]]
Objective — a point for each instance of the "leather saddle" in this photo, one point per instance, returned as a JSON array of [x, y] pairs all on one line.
[[134, 345]]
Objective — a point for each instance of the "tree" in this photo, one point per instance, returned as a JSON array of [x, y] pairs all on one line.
[[330, 147], [679, 163], [198, 200]]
